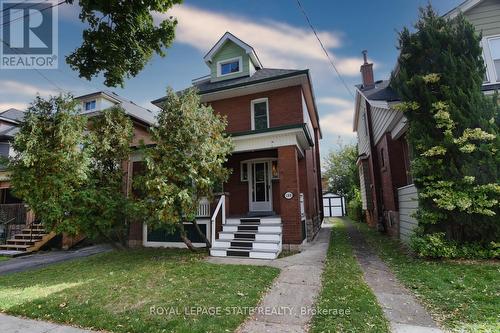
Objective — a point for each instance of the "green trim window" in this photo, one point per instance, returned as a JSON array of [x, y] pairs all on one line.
[[260, 114]]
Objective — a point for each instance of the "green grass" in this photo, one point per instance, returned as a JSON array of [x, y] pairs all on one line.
[[462, 296], [4, 258], [344, 289], [115, 292]]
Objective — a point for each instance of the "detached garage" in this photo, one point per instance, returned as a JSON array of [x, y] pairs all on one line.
[[333, 205]]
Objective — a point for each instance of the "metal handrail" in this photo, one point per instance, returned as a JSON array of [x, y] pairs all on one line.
[[220, 204]]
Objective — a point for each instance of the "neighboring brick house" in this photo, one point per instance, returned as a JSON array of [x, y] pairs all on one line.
[[389, 197], [273, 196], [12, 210]]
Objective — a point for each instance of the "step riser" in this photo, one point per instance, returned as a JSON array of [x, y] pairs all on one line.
[[261, 228], [251, 254], [19, 242], [263, 220], [253, 246], [258, 237]]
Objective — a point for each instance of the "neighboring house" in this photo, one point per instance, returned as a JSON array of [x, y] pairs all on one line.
[[11, 207], [389, 197], [9, 122], [273, 196]]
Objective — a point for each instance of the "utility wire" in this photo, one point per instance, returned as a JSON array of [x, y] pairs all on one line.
[[324, 48]]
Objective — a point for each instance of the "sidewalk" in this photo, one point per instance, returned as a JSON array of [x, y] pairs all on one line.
[[42, 259], [294, 291], [401, 308], [9, 324]]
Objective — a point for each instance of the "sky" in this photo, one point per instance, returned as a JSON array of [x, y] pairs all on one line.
[[280, 36]]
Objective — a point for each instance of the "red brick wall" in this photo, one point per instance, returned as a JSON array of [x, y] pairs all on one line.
[[289, 182], [238, 190], [285, 108]]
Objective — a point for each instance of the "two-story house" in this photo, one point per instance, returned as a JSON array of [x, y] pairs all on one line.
[[14, 216], [273, 196], [389, 197]]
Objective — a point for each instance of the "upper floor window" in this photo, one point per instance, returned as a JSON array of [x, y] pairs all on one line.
[[260, 114], [90, 105], [491, 47], [229, 66]]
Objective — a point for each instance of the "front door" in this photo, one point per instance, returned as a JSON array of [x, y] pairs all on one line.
[[260, 187]]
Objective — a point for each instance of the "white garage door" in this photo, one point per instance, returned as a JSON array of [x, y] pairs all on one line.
[[333, 205]]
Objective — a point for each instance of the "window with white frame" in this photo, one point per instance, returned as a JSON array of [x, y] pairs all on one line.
[[260, 114], [229, 66], [491, 48], [90, 105]]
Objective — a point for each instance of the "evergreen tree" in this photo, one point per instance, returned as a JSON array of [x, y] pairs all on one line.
[[453, 128]]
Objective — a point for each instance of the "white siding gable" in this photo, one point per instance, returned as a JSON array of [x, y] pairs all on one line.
[[362, 130]]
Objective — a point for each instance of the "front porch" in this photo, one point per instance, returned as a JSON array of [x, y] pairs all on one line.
[[261, 209]]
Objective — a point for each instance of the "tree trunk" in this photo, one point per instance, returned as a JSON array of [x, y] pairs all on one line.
[[184, 237], [202, 235]]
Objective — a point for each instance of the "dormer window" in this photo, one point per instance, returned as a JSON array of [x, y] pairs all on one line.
[[90, 105], [229, 66]]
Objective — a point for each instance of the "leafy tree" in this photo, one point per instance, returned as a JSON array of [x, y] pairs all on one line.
[[185, 164], [50, 168], [341, 170], [104, 206], [121, 37], [453, 128]]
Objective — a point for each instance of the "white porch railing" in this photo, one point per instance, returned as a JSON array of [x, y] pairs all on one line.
[[302, 207], [203, 208], [220, 205]]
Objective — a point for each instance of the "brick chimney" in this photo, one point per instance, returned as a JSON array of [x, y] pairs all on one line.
[[367, 72]]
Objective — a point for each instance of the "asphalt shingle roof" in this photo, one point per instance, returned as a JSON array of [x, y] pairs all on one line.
[[13, 114], [261, 75], [382, 91]]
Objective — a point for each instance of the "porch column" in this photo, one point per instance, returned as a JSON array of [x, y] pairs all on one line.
[[289, 182]]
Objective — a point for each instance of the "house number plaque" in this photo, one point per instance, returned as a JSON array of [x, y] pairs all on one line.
[[288, 195]]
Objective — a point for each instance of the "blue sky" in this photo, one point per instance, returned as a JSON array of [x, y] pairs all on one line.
[[280, 36]]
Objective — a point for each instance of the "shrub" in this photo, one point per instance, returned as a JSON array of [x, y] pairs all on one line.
[[354, 207], [436, 245]]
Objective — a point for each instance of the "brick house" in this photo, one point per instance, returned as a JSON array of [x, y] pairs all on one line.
[[273, 196], [389, 197]]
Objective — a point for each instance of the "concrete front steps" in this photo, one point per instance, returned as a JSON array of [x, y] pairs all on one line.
[[28, 240], [256, 237]]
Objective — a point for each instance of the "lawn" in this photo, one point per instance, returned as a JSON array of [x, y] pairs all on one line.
[[2, 258], [147, 290], [462, 296], [345, 290]]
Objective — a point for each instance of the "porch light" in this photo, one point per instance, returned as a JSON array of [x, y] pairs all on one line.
[[274, 170]]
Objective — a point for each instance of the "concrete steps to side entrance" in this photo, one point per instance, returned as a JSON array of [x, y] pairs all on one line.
[[258, 238]]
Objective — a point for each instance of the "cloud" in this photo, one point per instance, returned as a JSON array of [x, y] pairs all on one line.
[[19, 106], [337, 122], [277, 44], [336, 101], [9, 88]]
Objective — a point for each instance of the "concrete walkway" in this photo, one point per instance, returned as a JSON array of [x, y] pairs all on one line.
[[401, 308], [42, 259], [287, 307], [9, 324]]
